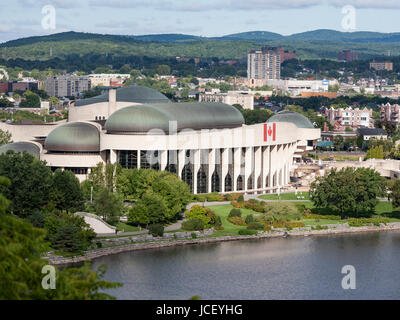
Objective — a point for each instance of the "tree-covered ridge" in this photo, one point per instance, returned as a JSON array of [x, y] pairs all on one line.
[[309, 45]]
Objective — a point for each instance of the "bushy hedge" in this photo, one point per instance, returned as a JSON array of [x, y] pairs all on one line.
[[156, 230], [249, 219], [247, 232], [235, 213], [238, 221], [255, 226], [320, 216], [361, 222], [195, 224]]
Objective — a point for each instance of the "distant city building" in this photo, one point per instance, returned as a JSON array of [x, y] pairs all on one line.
[[297, 87], [285, 54], [390, 112], [244, 98], [355, 118], [12, 86], [66, 86], [381, 65], [348, 56], [264, 64], [372, 133], [107, 80], [249, 82]]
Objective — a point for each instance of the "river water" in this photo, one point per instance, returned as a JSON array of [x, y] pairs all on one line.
[[282, 268]]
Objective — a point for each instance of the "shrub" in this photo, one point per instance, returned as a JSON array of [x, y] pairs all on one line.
[[291, 225], [235, 213], [195, 224], [249, 218], [246, 232], [156, 230], [215, 197], [194, 236], [236, 204], [255, 226], [238, 221], [353, 222], [282, 211], [319, 216], [240, 198], [199, 212]]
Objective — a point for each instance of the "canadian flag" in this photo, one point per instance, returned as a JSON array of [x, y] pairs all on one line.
[[269, 131]]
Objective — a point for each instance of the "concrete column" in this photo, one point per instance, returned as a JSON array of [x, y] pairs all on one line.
[[257, 165], [237, 154], [265, 166], [211, 167], [138, 159], [181, 162], [248, 166], [224, 167], [163, 158], [113, 156], [196, 168]]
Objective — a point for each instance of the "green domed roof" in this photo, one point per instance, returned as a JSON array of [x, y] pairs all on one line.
[[28, 147], [133, 93], [294, 117], [74, 137], [196, 116]]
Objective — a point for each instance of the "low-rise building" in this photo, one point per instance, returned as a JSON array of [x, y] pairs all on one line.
[[355, 118], [390, 112], [373, 133], [381, 65], [107, 79], [67, 86], [244, 98]]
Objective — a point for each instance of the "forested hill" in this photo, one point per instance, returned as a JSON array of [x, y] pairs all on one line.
[[309, 45]]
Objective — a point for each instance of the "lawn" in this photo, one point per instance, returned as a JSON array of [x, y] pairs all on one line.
[[382, 209], [287, 196], [126, 227], [229, 228]]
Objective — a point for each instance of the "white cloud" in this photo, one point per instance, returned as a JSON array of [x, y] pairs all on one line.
[[367, 4]]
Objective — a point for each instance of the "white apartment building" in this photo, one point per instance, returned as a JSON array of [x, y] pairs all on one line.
[[244, 98], [105, 79]]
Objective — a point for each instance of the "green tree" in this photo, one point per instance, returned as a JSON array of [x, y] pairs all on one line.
[[108, 205], [348, 190], [32, 100], [31, 182], [338, 142], [150, 209], [336, 191], [163, 69], [68, 233], [21, 249], [395, 195], [66, 192], [5, 137]]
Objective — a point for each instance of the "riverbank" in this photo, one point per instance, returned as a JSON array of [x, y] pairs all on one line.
[[93, 254]]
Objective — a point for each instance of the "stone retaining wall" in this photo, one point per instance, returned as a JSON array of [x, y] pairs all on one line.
[[93, 254]]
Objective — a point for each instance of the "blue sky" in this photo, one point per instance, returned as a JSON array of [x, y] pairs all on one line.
[[23, 18]]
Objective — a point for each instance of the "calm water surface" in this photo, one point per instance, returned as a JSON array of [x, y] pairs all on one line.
[[291, 268]]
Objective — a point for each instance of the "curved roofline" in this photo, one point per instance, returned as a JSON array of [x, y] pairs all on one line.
[[196, 116], [77, 136], [131, 93]]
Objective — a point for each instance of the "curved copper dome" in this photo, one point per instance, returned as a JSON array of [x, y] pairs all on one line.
[[74, 137], [196, 116]]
